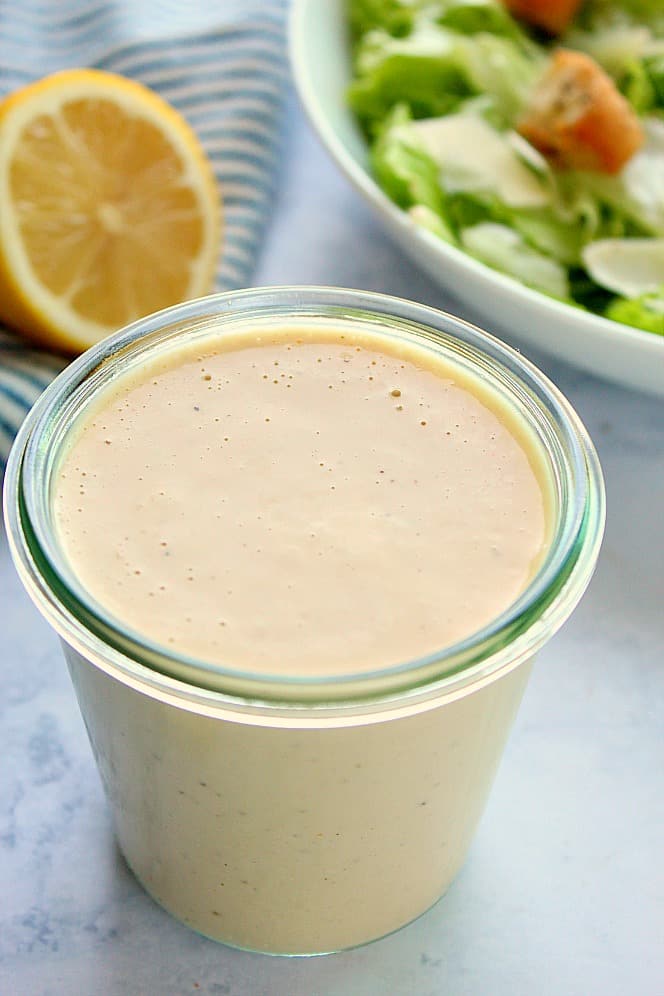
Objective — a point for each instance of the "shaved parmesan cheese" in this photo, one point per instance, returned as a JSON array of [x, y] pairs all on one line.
[[475, 157], [630, 267]]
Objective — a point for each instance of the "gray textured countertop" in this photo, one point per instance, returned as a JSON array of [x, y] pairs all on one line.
[[563, 892]]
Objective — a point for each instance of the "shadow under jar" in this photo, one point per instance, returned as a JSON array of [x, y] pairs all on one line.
[[300, 813]]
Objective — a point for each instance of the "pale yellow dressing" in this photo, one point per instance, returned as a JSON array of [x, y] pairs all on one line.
[[302, 502]]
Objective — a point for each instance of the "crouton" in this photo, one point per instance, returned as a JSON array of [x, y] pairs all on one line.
[[552, 15], [578, 119]]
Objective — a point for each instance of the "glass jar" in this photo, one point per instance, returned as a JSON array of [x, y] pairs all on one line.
[[292, 814]]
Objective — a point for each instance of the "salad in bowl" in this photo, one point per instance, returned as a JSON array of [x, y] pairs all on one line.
[[529, 134]]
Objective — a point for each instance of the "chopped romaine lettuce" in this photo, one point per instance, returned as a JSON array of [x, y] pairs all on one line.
[[637, 193], [550, 233], [470, 17], [505, 250], [597, 14], [434, 69], [631, 54], [646, 312], [423, 71], [502, 68], [426, 218], [394, 16], [404, 169], [654, 67], [465, 16]]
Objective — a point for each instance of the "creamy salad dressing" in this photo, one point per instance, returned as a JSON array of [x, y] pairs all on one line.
[[303, 501], [301, 495]]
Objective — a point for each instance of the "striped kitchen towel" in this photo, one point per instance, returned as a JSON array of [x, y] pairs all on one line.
[[222, 65]]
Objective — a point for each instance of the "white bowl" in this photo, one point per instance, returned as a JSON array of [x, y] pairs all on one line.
[[321, 67]]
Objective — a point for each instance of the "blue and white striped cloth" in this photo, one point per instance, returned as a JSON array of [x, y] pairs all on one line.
[[222, 65]]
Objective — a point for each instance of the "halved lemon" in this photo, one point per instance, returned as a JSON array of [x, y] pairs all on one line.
[[109, 209]]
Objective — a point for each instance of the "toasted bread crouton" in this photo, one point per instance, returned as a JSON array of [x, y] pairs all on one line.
[[578, 119], [552, 15]]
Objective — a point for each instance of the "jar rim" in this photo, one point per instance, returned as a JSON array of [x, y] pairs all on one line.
[[516, 633]]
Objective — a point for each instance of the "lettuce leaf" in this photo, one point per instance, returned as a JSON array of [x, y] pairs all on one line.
[[432, 222], [397, 17], [550, 234], [403, 168], [645, 312], [632, 54], [434, 69], [393, 16], [654, 68], [471, 17], [635, 195], [504, 249], [503, 69], [595, 15], [424, 71]]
